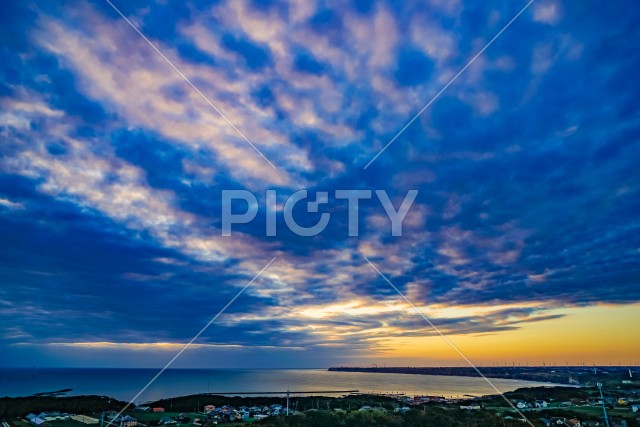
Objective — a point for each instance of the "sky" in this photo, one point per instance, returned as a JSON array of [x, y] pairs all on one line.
[[522, 245]]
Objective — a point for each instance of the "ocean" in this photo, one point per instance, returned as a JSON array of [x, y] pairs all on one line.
[[124, 384]]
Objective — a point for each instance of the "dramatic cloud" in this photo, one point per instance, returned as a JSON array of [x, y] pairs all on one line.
[[112, 170]]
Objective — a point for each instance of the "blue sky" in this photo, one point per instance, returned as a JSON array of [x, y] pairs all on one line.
[[112, 169]]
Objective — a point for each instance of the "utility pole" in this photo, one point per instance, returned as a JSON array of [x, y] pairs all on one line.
[[288, 402], [604, 408]]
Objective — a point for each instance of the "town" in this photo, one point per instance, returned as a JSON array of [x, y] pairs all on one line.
[[541, 406]]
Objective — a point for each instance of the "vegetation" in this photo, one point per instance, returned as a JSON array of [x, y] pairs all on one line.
[[12, 407], [342, 411], [431, 417], [195, 402]]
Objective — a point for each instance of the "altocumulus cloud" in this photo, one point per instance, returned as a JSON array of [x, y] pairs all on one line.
[[112, 169]]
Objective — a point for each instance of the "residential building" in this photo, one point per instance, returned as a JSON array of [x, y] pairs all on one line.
[[541, 404], [128, 421]]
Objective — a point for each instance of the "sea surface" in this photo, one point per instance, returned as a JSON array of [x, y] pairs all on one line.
[[124, 384]]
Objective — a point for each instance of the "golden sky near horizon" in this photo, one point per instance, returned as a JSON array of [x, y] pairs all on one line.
[[600, 335]]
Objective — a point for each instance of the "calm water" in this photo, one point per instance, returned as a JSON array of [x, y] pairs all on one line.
[[123, 384]]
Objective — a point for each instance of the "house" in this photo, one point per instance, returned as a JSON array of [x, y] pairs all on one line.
[[521, 405], [55, 416], [37, 421], [128, 421], [156, 410], [402, 410], [167, 421], [109, 415], [561, 421], [209, 408], [244, 415], [85, 419], [365, 408], [142, 409], [545, 421], [541, 404], [31, 416], [635, 408]]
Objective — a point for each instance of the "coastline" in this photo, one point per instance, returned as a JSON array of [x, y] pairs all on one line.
[[564, 375]]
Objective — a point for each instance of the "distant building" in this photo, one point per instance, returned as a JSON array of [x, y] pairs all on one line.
[[128, 421], [37, 420], [563, 422], [85, 419], [167, 421], [471, 407], [109, 415], [158, 410], [55, 416], [541, 404], [209, 408], [521, 405]]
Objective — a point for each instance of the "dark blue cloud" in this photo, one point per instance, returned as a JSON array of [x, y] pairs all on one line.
[[526, 167]]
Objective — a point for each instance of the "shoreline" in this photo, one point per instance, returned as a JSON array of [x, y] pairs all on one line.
[[565, 375]]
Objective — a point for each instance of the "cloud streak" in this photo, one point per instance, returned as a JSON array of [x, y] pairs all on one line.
[[112, 169]]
